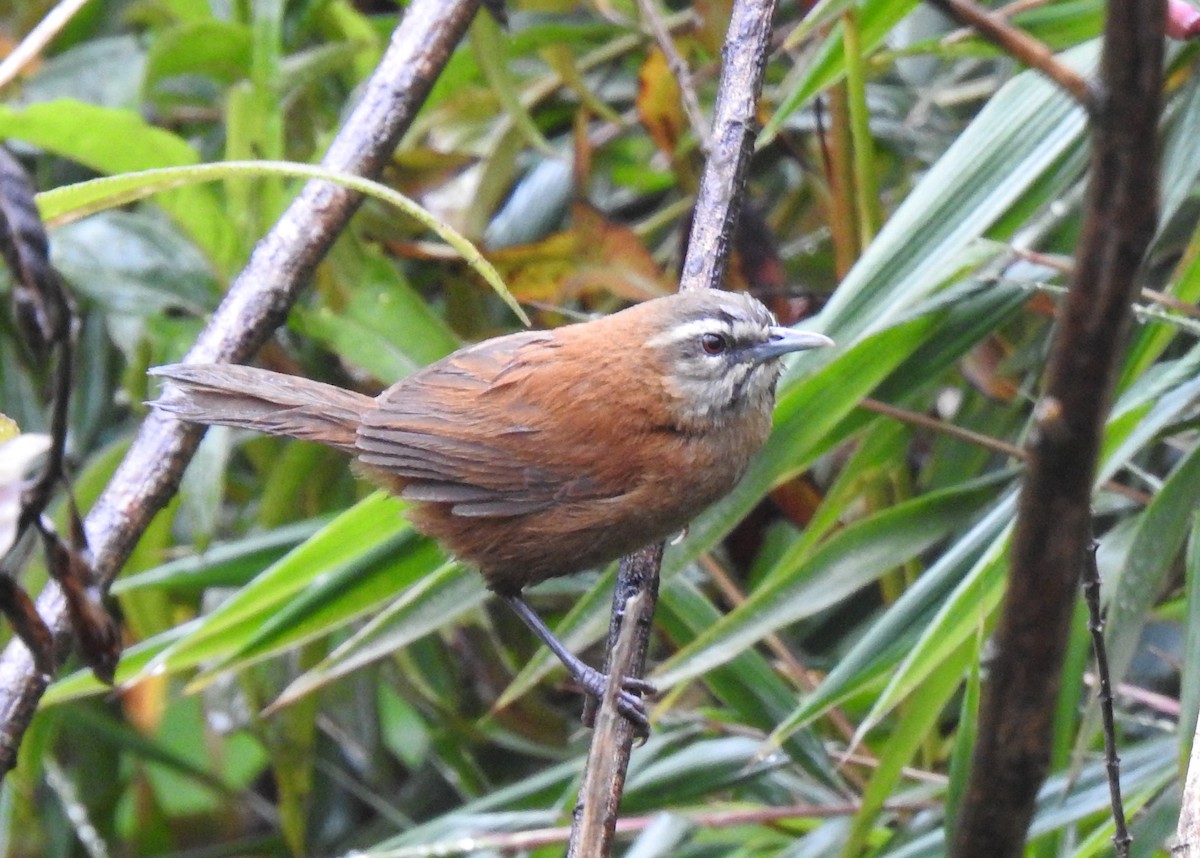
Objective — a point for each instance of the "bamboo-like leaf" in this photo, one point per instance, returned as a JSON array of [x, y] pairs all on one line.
[[76, 201], [890, 638], [434, 601], [352, 544], [1026, 128], [395, 566], [1160, 534], [876, 18], [490, 53], [854, 557], [913, 729], [963, 617], [225, 564], [1189, 694]]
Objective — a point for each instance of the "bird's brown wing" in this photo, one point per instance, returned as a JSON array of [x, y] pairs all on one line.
[[459, 432]]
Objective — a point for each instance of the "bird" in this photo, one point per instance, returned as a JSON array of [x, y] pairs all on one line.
[[543, 453]]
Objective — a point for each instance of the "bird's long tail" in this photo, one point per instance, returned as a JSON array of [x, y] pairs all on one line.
[[271, 402]]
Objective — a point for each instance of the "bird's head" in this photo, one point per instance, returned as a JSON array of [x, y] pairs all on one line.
[[720, 353]]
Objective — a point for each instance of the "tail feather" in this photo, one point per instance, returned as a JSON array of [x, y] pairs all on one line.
[[251, 398]]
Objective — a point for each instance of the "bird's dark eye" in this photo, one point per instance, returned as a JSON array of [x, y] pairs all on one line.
[[714, 344]]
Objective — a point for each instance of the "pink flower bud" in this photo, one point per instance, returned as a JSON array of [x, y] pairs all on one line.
[[1183, 20]]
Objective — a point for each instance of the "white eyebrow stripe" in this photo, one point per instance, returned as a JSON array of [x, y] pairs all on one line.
[[689, 330]]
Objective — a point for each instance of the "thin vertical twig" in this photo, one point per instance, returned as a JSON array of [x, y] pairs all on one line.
[[679, 69], [604, 773], [1091, 594]]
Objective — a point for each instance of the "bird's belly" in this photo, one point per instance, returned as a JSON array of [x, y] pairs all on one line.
[[514, 552]]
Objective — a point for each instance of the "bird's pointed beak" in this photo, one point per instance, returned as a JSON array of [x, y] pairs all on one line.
[[784, 340]]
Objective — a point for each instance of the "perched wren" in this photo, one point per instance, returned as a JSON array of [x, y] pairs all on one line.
[[543, 453]]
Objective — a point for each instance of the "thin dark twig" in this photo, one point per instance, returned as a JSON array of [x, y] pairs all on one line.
[[1023, 47], [48, 325], [916, 418], [1091, 594], [255, 304], [679, 69]]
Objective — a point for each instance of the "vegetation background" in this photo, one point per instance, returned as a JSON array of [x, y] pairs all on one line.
[[819, 633]]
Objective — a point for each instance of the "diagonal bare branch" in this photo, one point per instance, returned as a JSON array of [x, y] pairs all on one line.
[[995, 27]]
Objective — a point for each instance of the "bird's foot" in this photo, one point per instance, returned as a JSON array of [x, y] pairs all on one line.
[[630, 697]]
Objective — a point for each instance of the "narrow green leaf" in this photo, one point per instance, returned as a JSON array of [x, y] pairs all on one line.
[[854, 557], [437, 599], [491, 54], [963, 617], [341, 594], [350, 539], [913, 729], [912, 612], [1161, 531], [120, 141], [132, 668], [1189, 695], [876, 19], [748, 685], [964, 743], [1022, 133], [223, 564], [76, 201]]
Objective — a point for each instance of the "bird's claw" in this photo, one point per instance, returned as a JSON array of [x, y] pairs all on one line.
[[630, 702]]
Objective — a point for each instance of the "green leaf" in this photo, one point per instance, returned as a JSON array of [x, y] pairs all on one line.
[[120, 141], [354, 546], [491, 54], [962, 618], [1189, 695], [88, 197], [1160, 533], [1022, 133], [224, 564], [875, 19], [386, 328], [891, 637], [854, 557], [914, 728], [437, 599]]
